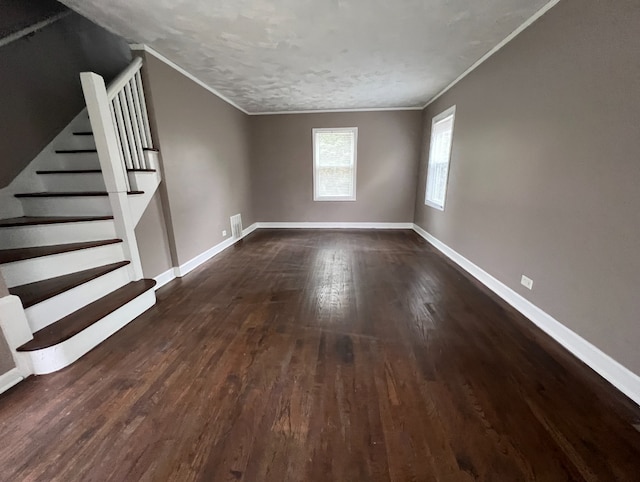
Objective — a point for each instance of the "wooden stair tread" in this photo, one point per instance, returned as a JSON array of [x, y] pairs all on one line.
[[75, 151], [88, 171], [71, 171], [83, 133], [77, 321], [36, 220], [84, 151], [20, 254], [68, 194], [34, 293]]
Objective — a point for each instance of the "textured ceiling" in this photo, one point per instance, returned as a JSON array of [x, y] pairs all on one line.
[[278, 55]]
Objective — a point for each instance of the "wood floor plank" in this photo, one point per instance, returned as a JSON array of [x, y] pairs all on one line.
[[322, 355]]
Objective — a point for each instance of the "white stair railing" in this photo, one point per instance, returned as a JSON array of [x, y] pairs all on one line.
[[120, 125], [129, 111]]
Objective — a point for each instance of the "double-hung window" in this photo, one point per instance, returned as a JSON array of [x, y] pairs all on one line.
[[334, 164], [439, 158]]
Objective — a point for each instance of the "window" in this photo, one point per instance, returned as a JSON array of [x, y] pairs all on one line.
[[334, 164], [439, 157]]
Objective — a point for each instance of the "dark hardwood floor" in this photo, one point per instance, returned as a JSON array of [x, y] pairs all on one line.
[[322, 356]]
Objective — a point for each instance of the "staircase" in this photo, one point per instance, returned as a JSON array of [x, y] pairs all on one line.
[[72, 257]]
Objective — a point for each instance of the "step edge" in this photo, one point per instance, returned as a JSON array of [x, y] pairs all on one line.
[[76, 151], [147, 286], [46, 194], [58, 220], [87, 171], [96, 244], [113, 267]]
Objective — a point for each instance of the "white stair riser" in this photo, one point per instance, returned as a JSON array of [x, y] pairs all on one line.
[[73, 182], [48, 234], [45, 267], [82, 123], [67, 206], [51, 310], [77, 142], [54, 358], [83, 160]]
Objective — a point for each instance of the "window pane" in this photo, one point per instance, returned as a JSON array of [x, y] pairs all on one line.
[[334, 181], [439, 157], [335, 148], [334, 163]]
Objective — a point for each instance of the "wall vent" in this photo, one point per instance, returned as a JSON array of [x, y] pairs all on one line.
[[236, 226]]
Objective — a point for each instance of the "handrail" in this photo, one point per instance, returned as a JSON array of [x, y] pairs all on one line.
[[123, 77]]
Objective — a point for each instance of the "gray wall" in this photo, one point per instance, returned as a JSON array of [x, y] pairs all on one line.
[[6, 358], [40, 90], [153, 240], [545, 170], [3, 287], [18, 14], [282, 167], [205, 147]]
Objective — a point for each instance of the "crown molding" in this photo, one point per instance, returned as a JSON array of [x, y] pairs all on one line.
[[486, 56], [336, 111], [170, 63], [186, 73]]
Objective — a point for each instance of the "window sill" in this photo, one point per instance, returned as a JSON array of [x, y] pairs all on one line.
[[323, 199], [434, 206]]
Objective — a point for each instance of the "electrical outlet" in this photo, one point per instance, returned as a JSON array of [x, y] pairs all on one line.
[[224, 233], [526, 282]]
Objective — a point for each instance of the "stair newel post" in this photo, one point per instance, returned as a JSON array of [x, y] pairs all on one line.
[[113, 170]]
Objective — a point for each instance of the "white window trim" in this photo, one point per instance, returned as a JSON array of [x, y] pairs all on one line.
[[451, 111], [354, 130]]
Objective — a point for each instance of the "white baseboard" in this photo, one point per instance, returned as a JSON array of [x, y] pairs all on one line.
[[180, 271], [249, 230], [620, 377], [192, 264], [164, 278], [331, 225], [9, 379]]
